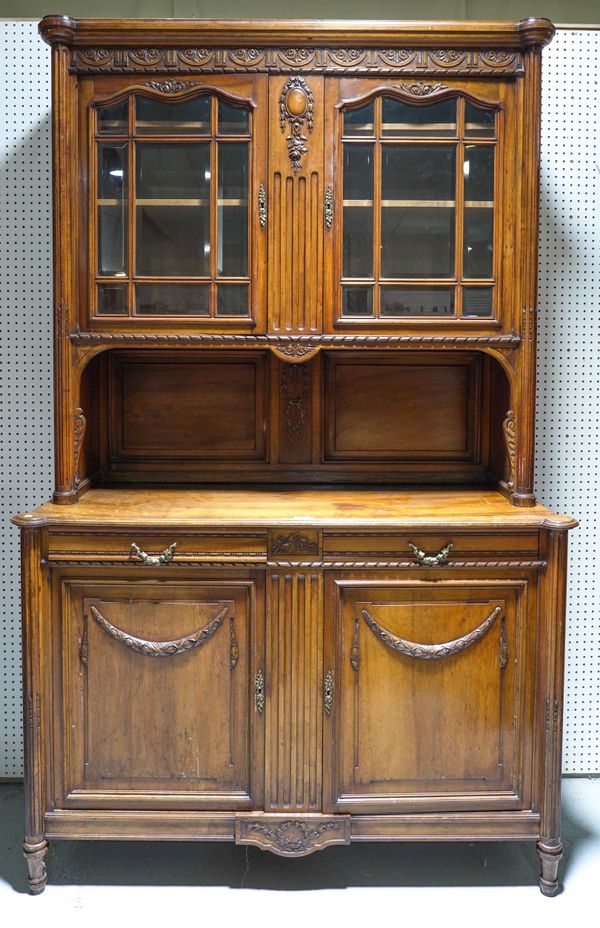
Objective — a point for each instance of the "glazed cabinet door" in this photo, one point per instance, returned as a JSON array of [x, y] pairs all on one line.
[[175, 212], [431, 695], [421, 181], [155, 684]]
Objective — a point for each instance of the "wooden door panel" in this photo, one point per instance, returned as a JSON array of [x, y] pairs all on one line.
[[156, 690], [430, 698]]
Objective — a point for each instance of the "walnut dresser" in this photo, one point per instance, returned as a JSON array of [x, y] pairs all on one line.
[[294, 589]]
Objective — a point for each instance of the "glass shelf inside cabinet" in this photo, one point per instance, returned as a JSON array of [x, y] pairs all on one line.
[[418, 209], [172, 220]]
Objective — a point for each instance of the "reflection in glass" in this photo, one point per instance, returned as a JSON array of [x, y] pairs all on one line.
[[417, 211], [478, 238], [479, 122], [187, 117], [435, 120], [233, 120], [112, 300], [173, 210], [172, 299], [112, 120], [477, 301], [417, 301], [360, 121], [358, 211], [357, 301], [232, 300], [112, 209], [233, 209]]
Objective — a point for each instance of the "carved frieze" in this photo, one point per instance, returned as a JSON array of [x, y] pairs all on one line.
[[418, 61]]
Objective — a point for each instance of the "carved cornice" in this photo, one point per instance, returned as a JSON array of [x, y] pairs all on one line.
[[295, 346], [97, 59]]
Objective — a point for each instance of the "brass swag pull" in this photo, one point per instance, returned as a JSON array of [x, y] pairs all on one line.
[[431, 560], [152, 560], [160, 648], [430, 652], [329, 207], [259, 691], [328, 693], [262, 206]]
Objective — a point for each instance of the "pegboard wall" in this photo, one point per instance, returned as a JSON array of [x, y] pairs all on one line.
[[568, 450]]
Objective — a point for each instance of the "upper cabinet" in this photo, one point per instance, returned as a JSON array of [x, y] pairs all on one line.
[[420, 178], [174, 211]]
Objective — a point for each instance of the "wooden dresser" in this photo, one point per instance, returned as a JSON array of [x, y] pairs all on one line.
[[294, 589]]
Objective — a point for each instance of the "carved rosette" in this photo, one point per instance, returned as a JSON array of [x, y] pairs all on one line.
[[293, 837], [296, 103], [509, 427]]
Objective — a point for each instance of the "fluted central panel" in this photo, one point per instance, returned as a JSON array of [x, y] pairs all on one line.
[[296, 270], [294, 705]]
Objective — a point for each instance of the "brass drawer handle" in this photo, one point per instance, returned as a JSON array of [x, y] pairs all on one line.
[[259, 691], [328, 693], [431, 560], [158, 648], [430, 652], [262, 206], [152, 560], [329, 207]]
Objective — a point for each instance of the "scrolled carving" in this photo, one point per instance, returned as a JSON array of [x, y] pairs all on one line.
[[234, 651], [295, 382], [355, 646], [293, 837], [79, 427], [297, 57], [430, 652], [421, 88], [161, 648], [503, 645], [296, 103], [195, 56], [509, 427], [449, 57], [171, 86], [397, 57]]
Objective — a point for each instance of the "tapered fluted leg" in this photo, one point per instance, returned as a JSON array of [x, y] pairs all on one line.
[[35, 855], [549, 858]]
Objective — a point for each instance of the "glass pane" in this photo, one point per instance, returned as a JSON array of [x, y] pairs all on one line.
[[112, 120], [232, 300], [188, 117], [112, 209], [358, 211], [477, 301], [479, 122], [172, 299], [417, 210], [417, 301], [357, 301], [479, 214], [173, 210], [112, 300], [233, 120], [233, 209], [360, 121], [405, 120]]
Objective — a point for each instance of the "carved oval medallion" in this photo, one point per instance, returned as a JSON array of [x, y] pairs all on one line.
[[296, 102]]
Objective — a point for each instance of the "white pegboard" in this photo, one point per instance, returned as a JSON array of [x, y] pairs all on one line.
[[568, 450], [568, 383], [26, 456]]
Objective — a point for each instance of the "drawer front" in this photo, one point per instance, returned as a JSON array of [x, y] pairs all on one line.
[[446, 548], [130, 546], [432, 694]]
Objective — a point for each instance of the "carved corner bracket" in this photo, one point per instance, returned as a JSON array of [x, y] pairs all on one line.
[[296, 103], [292, 837], [79, 427], [509, 427]]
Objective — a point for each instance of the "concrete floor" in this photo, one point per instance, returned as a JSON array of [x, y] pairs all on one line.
[[131, 883]]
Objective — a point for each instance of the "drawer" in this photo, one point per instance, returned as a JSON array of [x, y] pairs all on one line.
[[191, 547], [464, 547]]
